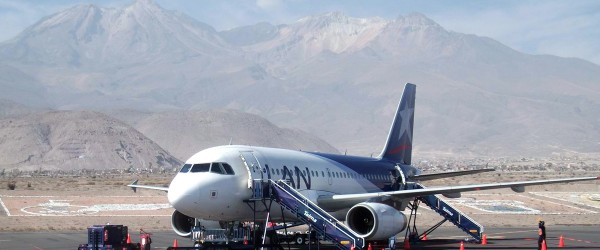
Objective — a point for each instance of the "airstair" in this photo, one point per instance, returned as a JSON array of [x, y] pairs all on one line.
[[450, 213], [319, 220]]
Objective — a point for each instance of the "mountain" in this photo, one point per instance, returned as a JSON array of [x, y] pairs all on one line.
[[183, 133], [334, 76], [94, 56], [69, 140], [87, 36]]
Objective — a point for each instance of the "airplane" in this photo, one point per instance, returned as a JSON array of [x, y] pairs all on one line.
[[368, 193]]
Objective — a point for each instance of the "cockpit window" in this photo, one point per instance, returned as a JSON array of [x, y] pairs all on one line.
[[228, 169], [185, 168], [217, 168], [203, 167]]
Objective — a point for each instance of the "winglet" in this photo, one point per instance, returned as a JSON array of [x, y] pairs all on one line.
[[398, 147], [133, 186]]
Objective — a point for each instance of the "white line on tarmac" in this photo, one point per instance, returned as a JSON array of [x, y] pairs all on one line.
[[560, 204], [62, 196], [95, 215], [549, 195], [4, 207]]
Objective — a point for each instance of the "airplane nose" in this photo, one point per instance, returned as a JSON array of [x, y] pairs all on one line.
[[179, 194]]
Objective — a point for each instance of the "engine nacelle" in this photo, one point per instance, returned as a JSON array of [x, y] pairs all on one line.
[[182, 224], [375, 221]]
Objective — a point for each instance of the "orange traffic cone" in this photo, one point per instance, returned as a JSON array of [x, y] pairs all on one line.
[[175, 245], [561, 241], [369, 248], [544, 247], [128, 238], [462, 246], [406, 244], [424, 237], [484, 239]]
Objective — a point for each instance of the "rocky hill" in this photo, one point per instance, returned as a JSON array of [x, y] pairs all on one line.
[[334, 76], [183, 133], [69, 140]]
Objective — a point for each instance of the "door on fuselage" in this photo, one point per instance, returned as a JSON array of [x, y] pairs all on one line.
[[400, 179], [255, 170]]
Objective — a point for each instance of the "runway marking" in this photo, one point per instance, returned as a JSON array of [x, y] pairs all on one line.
[[4, 207], [96, 215], [511, 206], [64, 207], [502, 206], [78, 196], [560, 204], [85, 206], [547, 195]]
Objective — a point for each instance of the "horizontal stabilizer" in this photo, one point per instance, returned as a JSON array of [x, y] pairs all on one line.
[[435, 176]]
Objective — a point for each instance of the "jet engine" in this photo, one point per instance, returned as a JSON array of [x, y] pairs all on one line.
[[182, 224], [374, 221]]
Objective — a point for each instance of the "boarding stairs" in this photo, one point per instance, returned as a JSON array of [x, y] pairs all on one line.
[[450, 213], [319, 220]]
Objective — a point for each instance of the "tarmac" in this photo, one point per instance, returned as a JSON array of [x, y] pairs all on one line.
[[575, 237]]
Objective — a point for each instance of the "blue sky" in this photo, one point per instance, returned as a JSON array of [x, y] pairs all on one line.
[[569, 28]]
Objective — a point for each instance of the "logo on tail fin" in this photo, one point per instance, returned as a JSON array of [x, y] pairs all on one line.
[[406, 128], [398, 147]]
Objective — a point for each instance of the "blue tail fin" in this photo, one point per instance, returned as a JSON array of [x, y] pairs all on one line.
[[398, 147]]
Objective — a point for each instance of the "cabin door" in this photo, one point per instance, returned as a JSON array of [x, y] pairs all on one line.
[[400, 179], [255, 170]]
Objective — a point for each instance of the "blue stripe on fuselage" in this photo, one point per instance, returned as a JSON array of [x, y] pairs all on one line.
[[364, 166]]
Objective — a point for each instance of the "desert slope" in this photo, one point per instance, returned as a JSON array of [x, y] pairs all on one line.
[[68, 140]]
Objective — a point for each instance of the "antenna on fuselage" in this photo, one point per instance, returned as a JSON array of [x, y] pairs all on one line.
[[230, 140], [346, 152]]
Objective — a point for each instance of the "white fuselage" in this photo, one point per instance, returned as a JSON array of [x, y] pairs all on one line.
[[217, 194]]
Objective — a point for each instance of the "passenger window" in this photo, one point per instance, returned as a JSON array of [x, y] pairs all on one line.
[[185, 168], [322, 174], [217, 169], [228, 169], [203, 167]]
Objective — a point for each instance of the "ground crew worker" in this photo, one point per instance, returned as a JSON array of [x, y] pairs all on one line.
[[541, 234]]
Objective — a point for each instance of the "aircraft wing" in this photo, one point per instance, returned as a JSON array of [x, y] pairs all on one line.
[[135, 186], [434, 176], [340, 200]]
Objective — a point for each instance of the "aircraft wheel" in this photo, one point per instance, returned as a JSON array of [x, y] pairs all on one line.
[[299, 239]]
